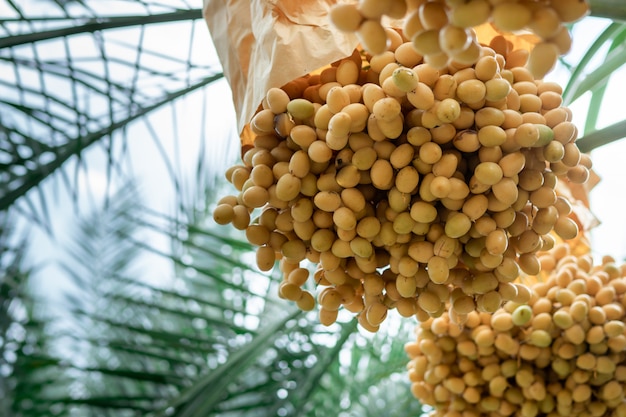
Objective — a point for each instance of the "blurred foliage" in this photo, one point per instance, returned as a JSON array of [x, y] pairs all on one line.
[[30, 373], [214, 341]]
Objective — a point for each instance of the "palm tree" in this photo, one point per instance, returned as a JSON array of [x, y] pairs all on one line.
[[86, 81]]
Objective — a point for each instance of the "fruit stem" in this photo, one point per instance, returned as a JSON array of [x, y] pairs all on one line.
[[602, 137], [612, 9]]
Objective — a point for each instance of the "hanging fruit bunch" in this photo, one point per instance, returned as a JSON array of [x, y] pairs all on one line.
[[414, 182], [442, 31], [562, 354]]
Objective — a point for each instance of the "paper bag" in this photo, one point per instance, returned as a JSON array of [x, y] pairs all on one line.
[[267, 43]]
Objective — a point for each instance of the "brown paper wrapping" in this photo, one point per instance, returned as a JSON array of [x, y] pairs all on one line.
[[267, 43]]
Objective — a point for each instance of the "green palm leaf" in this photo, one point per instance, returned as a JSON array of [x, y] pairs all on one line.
[[28, 367], [77, 75], [588, 76]]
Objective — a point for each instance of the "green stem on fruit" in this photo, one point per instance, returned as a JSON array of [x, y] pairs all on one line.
[[602, 137], [612, 9]]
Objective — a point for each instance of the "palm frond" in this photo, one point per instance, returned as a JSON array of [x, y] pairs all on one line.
[[79, 74], [592, 74], [28, 367], [368, 378], [141, 344]]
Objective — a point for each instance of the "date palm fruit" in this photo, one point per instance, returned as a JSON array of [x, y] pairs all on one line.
[[424, 190], [561, 354], [442, 30]]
